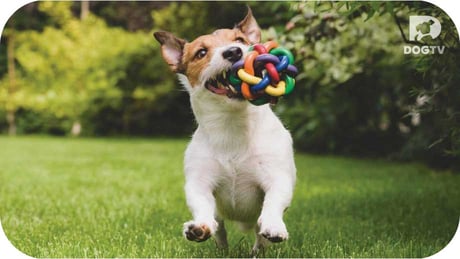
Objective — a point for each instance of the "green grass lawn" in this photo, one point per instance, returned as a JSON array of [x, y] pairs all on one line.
[[62, 197]]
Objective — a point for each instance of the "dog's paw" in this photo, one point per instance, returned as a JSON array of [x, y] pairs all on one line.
[[274, 231], [197, 232]]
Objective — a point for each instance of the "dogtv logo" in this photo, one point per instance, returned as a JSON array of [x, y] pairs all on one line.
[[421, 26]]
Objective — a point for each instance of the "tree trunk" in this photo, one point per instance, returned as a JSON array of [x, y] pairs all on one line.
[[11, 109], [76, 129], [84, 10], [11, 119]]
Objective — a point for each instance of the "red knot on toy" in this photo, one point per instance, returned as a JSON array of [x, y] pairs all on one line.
[[265, 74]]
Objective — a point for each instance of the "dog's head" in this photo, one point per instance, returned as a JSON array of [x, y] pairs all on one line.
[[205, 60]]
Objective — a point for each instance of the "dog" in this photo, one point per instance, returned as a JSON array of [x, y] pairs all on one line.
[[239, 164]]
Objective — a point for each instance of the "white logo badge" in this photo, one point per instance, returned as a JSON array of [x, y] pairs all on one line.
[[421, 26]]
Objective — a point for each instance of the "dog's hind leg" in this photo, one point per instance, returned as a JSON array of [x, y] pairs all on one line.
[[260, 244], [221, 234]]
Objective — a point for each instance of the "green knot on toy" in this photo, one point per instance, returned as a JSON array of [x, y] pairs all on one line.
[[265, 74]]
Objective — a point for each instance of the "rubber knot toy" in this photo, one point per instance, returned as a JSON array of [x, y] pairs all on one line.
[[266, 73]]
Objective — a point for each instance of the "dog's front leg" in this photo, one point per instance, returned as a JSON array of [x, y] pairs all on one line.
[[201, 202], [278, 195]]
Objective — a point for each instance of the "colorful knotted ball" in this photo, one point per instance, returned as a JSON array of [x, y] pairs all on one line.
[[266, 73]]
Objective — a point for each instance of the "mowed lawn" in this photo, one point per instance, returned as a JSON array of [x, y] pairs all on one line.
[[63, 197]]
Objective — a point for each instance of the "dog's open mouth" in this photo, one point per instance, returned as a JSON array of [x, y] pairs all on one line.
[[221, 86]]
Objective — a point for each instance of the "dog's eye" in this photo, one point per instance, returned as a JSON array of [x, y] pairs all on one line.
[[201, 53], [240, 40]]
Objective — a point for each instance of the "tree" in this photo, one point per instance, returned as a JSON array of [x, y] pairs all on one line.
[[82, 62], [10, 83]]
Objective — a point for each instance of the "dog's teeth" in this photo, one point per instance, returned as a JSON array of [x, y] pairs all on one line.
[[232, 89]]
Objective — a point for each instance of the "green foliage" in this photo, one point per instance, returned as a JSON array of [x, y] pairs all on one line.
[[124, 198], [357, 92], [31, 121], [439, 96], [82, 62], [59, 12], [3, 59], [341, 88], [198, 18], [191, 15], [88, 68]]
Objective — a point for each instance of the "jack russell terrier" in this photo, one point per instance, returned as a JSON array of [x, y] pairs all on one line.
[[239, 164]]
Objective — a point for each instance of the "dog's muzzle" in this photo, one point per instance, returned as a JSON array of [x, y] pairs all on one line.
[[221, 86]]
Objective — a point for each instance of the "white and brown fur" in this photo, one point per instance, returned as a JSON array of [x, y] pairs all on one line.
[[239, 164]]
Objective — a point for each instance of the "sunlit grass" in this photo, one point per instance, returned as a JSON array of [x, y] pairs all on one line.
[[63, 197]]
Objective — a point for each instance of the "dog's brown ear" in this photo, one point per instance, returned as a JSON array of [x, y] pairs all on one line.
[[171, 49], [250, 27]]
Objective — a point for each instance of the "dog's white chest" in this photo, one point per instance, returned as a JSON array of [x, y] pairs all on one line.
[[238, 195]]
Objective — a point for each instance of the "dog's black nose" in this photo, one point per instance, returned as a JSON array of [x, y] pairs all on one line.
[[233, 54]]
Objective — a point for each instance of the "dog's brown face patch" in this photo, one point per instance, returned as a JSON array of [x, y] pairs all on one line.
[[197, 54], [192, 58]]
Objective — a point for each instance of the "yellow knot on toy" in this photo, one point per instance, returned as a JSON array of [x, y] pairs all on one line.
[[265, 74]]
